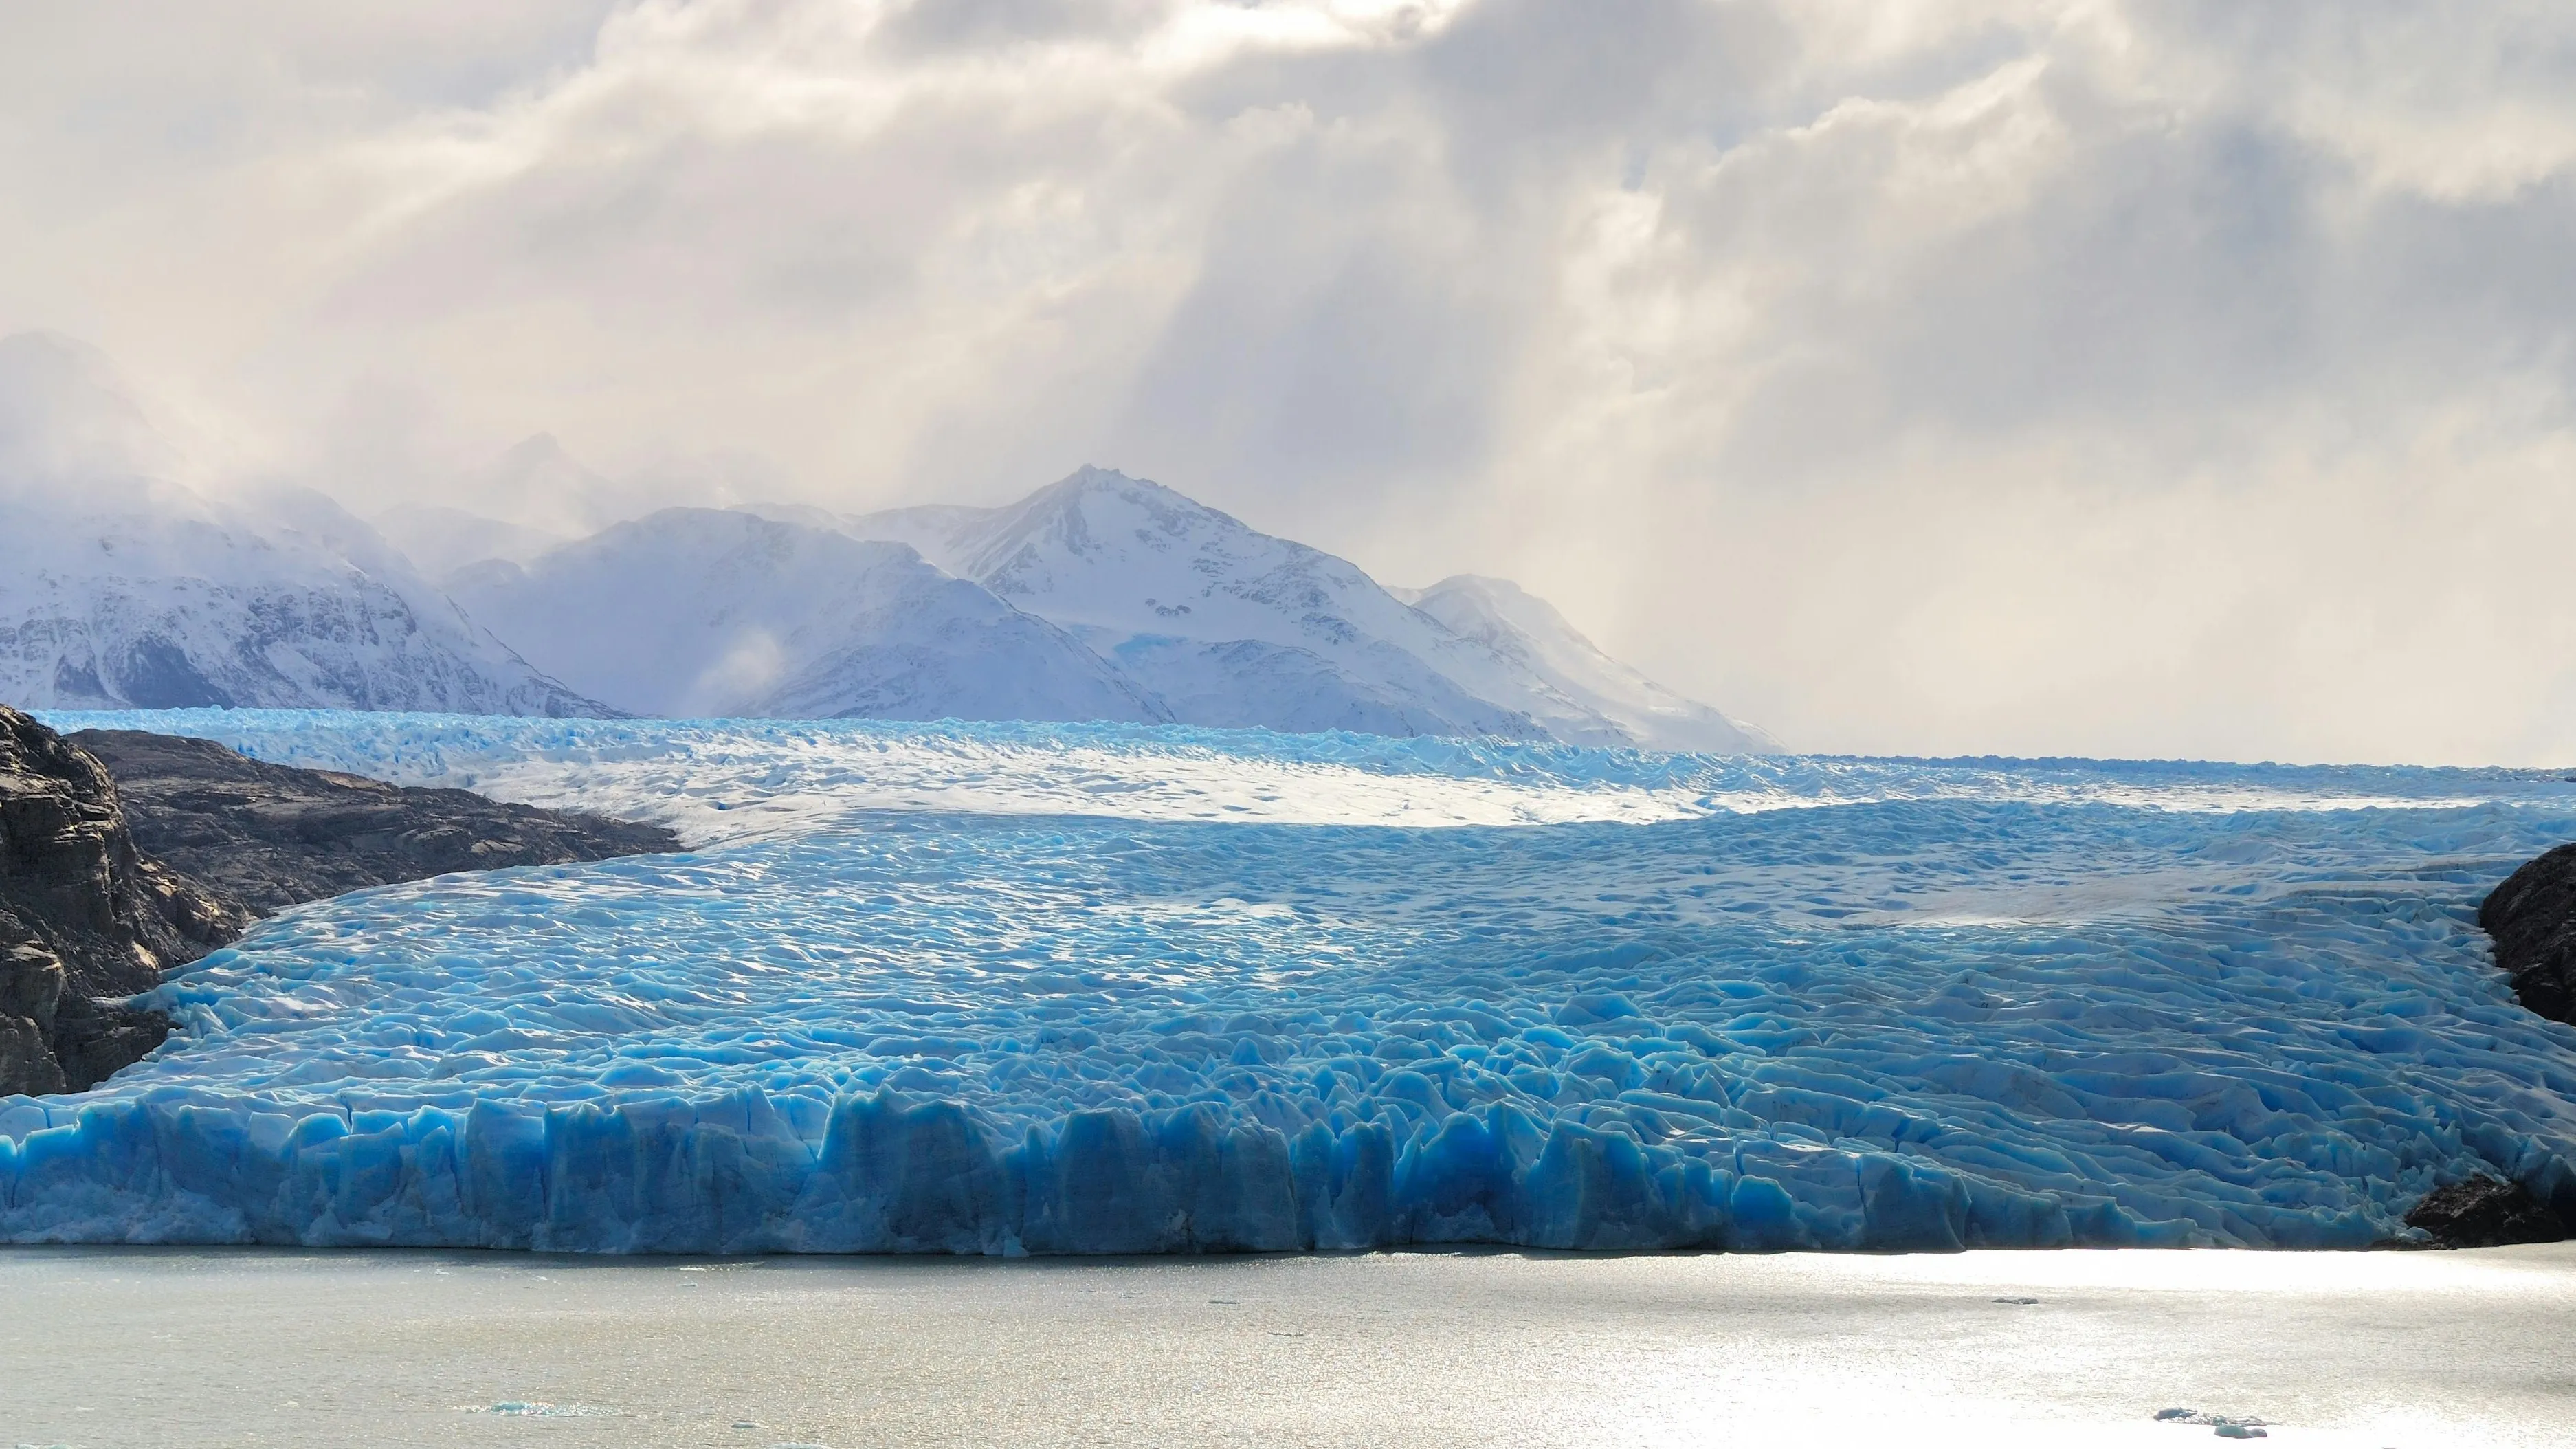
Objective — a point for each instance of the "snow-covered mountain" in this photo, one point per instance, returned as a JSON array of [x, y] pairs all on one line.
[[693, 611], [1226, 625], [1230, 626], [1101, 597], [535, 496], [119, 588], [1528, 633]]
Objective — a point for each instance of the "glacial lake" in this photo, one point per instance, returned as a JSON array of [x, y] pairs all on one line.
[[121, 1348]]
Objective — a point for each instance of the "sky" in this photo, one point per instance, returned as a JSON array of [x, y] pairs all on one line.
[[2001, 376]]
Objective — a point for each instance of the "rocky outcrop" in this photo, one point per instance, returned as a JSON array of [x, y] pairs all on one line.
[[123, 855], [270, 836], [2486, 1212], [2532, 917], [85, 917], [31, 988]]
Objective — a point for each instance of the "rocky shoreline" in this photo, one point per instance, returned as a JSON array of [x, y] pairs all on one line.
[[270, 836], [124, 855]]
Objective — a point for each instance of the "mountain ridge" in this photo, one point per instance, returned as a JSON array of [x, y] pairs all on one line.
[[1094, 551], [119, 588], [716, 611], [1098, 596]]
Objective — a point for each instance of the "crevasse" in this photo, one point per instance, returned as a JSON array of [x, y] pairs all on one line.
[[1002, 989]]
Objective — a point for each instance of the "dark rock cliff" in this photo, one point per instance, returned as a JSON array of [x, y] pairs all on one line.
[[85, 917], [123, 855], [2532, 917], [2486, 1212]]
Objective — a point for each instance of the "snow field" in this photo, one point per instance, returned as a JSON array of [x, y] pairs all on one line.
[[1004, 989]]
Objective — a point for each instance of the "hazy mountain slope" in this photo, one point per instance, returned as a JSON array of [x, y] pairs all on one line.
[[1228, 626], [119, 589], [439, 539], [538, 486], [1101, 597], [703, 612], [1527, 632]]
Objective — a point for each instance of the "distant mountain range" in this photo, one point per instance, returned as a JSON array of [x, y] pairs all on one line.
[[1100, 597], [118, 589]]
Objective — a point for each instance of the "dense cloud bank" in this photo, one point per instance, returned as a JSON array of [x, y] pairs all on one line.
[[2103, 378]]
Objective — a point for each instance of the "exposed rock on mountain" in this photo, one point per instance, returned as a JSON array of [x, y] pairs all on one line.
[[694, 611], [92, 911], [269, 836], [2532, 917], [2486, 1212]]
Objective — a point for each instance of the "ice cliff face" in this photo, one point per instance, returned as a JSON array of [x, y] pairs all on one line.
[[697, 612], [1007, 988], [117, 588]]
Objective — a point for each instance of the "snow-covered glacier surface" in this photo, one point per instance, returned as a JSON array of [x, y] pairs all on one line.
[[1017, 988]]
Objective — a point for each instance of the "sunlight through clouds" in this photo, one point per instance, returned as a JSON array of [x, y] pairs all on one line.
[[2030, 375]]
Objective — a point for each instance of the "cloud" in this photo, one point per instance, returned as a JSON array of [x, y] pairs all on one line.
[[2009, 375]]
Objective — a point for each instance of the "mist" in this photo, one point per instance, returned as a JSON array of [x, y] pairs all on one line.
[[2081, 378]]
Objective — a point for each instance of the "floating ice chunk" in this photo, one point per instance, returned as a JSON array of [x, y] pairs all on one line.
[[2227, 1426]]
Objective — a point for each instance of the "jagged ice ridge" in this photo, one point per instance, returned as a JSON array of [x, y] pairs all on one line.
[[1018, 988]]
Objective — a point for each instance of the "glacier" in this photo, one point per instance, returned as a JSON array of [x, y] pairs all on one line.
[[1014, 988]]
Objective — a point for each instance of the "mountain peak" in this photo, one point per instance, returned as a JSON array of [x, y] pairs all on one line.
[[1469, 583], [1093, 499], [539, 455], [1089, 482], [533, 449], [1228, 625]]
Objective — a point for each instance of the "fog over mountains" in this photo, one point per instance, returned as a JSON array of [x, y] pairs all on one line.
[[701, 612], [118, 587], [1100, 597]]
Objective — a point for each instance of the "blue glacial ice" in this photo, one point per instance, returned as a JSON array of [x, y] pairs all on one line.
[[1043, 989]]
